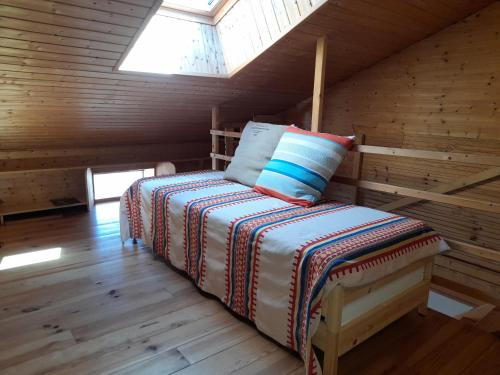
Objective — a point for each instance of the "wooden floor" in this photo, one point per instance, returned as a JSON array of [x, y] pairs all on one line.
[[106, 308]]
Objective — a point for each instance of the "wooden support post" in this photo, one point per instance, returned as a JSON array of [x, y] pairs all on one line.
[[319, 84], [229, 145], [215, 139], [333, 323], [89, 180], [422, 308], [357, 169]]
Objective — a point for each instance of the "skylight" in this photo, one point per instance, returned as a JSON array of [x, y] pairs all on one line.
[[160, 48], [173, 44], [208, 38]]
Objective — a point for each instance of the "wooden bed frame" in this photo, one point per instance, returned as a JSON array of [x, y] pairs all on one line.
[[335, 337]]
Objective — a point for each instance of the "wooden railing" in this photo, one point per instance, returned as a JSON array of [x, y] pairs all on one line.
[[411, 196], [436, 194]]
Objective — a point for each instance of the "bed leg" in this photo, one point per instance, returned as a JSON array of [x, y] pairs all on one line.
[[333, 323], [422, 308], [155, 255]]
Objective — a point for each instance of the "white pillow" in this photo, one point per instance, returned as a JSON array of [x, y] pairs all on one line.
[[254, 151]]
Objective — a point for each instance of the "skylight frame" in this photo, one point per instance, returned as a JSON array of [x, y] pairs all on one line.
[[162, 8], [219, 4]]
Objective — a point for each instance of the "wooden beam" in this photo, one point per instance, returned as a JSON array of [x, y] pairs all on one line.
[[475, 250], [465, 284], [468, 269], [225, 133], [221, 9], [431, 155], [101, 167], [421, 194], [185, 15], [319, 84], [446, 188], [215, 139], [220, 157], [67, 152], [457, 295]]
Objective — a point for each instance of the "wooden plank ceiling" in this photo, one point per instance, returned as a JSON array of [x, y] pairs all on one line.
[[58, 86]]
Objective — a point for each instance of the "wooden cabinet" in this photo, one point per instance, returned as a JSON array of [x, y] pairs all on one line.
[[38, 190]]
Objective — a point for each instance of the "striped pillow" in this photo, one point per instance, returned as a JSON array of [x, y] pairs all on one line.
[[302, 165]]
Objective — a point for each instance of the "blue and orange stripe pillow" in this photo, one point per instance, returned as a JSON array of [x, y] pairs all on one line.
[[302, 165]]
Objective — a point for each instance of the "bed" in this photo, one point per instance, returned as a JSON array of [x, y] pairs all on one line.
[[330, 275]]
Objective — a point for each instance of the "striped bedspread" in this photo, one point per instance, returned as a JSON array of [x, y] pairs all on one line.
[[268, 260]]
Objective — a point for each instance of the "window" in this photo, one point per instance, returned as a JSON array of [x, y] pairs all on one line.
[[113, 185]]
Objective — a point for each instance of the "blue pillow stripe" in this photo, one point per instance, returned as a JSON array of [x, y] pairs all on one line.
[[298, 177], [304, 181], [290, 164], [298, 172]]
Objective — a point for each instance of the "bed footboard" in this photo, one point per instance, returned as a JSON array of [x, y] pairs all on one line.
[[352, 315]]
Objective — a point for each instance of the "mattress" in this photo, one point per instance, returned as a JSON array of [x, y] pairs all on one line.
[[268, 260]]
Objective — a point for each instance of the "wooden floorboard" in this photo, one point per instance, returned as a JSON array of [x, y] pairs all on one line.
[[104, 308]]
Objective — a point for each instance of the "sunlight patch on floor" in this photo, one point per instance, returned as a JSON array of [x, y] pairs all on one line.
[[26, 259], [448, 306], [107, 212]]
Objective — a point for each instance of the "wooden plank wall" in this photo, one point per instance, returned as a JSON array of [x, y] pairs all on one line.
[[11, 160], [251, 26], [442, 94], [29, 190], [30, 178]]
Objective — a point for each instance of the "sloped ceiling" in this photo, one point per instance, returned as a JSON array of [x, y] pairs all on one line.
[[59, 88]]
